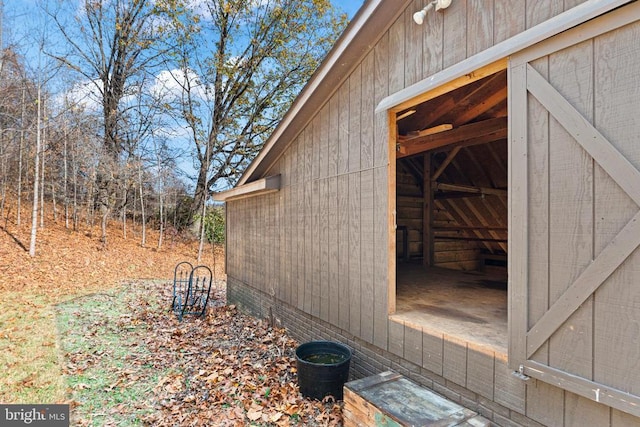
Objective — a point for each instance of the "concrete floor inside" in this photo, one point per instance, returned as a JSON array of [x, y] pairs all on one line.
[[468, 305]]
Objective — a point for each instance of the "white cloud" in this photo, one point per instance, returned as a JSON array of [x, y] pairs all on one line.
[[170, 84], [85, 94]]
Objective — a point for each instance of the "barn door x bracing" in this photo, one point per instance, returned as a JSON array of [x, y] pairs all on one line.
[[575, 210]]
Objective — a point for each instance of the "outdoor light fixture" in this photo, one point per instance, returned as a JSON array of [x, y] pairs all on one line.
[[419, 16]]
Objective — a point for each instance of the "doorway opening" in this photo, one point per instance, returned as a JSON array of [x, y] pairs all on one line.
[[451, 213]]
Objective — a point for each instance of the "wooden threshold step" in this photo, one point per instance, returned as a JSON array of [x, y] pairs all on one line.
[[391, 400]]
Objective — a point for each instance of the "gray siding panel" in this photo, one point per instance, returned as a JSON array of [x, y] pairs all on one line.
[[367, 252], [320, 246], [353, 236], [380, 268]]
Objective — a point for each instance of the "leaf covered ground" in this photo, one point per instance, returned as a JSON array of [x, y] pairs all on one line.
[[89, 325], [130, 361], [68, 264]]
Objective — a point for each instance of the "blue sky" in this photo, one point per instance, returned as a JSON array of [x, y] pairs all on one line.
[[349, 6], [21, 18]]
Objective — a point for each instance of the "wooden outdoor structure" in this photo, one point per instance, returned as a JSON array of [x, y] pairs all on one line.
[[389, 399], [496, 142]]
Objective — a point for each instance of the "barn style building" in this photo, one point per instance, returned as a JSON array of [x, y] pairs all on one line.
[[459, 201]]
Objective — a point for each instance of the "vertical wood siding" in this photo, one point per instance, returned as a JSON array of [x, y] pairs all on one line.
[[321, 243], [575, 210]]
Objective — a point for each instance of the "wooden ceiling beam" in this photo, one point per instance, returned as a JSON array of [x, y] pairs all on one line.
[[464, 95], [455, 195], [483, 106], [445, 163], [471, 134], [470, 189]]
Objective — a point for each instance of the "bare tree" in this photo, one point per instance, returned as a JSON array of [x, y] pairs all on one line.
[[111, 44], [240, 65], [16, 110], [36, 186]]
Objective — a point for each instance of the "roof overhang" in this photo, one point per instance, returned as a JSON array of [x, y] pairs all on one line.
[[260, 187]]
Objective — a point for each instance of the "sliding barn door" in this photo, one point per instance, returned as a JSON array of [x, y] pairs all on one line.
[[575, 210]]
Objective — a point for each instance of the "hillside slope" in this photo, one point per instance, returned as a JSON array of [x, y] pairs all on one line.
[[68, 264]]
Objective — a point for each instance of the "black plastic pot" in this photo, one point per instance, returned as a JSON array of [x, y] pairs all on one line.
[[323, 368]]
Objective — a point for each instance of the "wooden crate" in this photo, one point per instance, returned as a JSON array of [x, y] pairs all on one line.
[[391, 400]]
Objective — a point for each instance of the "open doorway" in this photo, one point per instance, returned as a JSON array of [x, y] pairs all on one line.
[[451, 213]]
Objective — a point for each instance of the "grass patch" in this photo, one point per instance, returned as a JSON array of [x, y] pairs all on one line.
[[29, 350], [107, 364]]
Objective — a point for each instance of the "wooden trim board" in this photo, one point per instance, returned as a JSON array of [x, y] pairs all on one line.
[[256, 188]]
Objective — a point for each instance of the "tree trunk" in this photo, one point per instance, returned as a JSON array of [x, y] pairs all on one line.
[[124, 216], [161, 235], [3, 168], [202, 234], [104, 213], [20, 154], [104, 187], [42, 150], [34, 212], [74, 169], [41, 207], [142, 212], [65, 188], [199, 197]]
